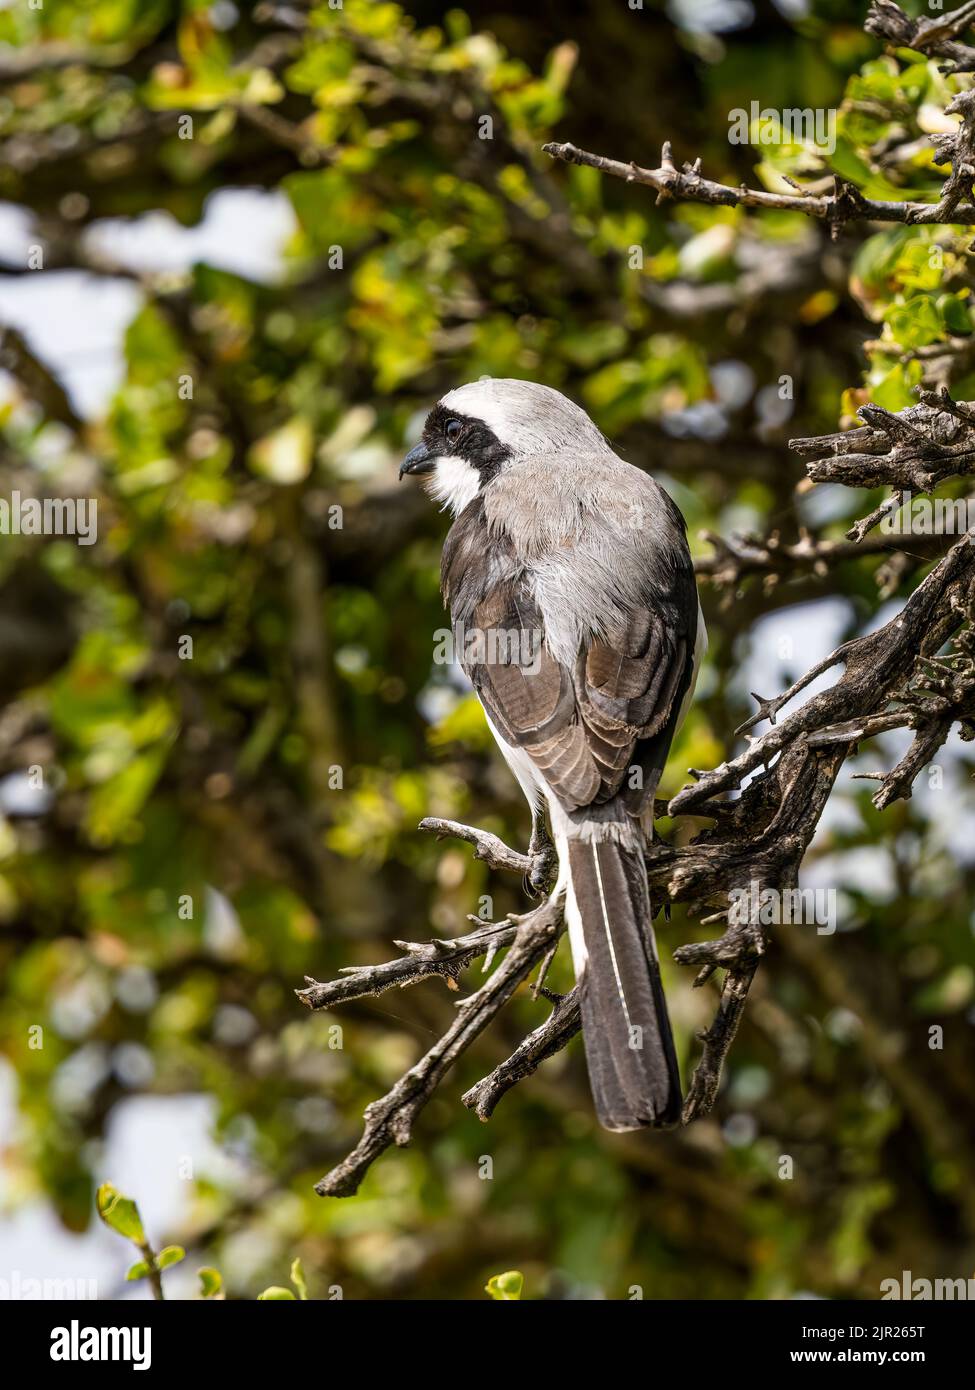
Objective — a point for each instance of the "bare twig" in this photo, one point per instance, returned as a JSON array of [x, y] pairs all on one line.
[[736, 557], [717, 1041], [550, 1037], [845, 204], [422, 959], [390, 1120], [488, 847]]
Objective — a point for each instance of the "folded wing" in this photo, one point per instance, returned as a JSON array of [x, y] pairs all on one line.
[[586, 726]]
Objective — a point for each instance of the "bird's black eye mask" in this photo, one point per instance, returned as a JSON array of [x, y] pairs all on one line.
[[449, 435], [462, 436]]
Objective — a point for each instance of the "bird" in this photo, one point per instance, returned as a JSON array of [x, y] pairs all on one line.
[[575, 615]]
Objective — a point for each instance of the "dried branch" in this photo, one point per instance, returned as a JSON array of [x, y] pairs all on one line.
[[717, 1041], [550, 1037], [878, 670], [913, 451], [436, 957], [897, 784], [738, 556], [390, 1120], [935, 37], [495, 853], [845, 204]]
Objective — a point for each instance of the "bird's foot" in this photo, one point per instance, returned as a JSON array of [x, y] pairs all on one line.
[[542, 870]]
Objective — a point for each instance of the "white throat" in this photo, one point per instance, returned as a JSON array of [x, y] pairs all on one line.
[[454, 483]]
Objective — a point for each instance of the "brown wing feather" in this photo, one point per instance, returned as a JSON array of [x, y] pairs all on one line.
[[583, 727], [580, 728]]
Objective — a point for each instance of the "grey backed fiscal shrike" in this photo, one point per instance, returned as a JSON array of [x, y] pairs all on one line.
[[583, 560]]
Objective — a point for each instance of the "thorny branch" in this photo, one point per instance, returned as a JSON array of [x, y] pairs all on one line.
[[912, 451], [916, 672], [390, 1119], [739, 556], [844, 203], [936, 37]]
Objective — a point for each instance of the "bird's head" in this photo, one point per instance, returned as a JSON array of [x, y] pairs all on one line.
[[474, 432]]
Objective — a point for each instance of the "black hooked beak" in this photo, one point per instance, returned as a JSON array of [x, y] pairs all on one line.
[[420, 459]]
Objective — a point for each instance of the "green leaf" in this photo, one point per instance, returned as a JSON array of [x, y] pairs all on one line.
[[298, 1279], [120, 1213], [847, 162], [956, 313], [115, 805], [895, 391], [211, 1281], [275, 1294], [138, 1271], [916, 323], [170, 1255], [505, 1288]]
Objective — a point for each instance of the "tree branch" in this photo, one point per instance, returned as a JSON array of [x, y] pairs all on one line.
[[549, 1038], [932, 36], [738, 556], [845, 204], [422, 959], [494, 852], [390, 1120], [915, 450]]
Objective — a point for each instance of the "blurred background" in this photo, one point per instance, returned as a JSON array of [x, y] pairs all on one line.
[[243, 250]]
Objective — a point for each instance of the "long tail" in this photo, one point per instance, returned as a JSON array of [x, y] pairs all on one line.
[[629, 1047]]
